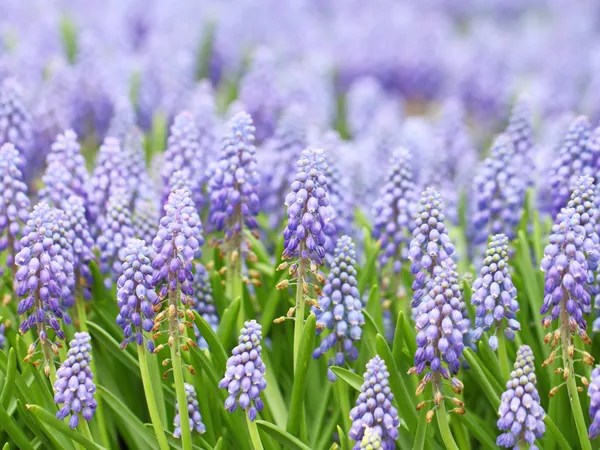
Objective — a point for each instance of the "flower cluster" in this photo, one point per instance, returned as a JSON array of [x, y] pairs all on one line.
[[234, 183], [15, 121], [123, 119], [74, 386], [430, 245], [136, 298], [14, 202], [594, 393], [245, 374], [66, 152], [57, 185], [394, 211], [374, 407], [145, 218], [371, 440], [521, 415], [203, 302], [340, 307], [342, 207], [520, 132], [308, 209], [495, 296], [195, 419]]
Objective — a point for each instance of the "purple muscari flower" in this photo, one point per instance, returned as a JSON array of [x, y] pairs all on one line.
[[521, 415], [234, 182], [371, 440], [245, 374], [184, 154], [203, 302], [145, 219], [2, 336], [374, 407], [364, 101], [575, 158], [74, 387], [203, 108], [520, 132], [570, 258], [339, 194], [499, 194], [115, 230], [176, 244], [394, 210], [14, 203], [495, 296], [134, 161], [594, 393], [123, 119], [193, 413], [258, 92], [57, 185], [15, 121], [135, 294], [308, 209], [340, 307], [45, 273], [440, 323], [66, 152], [430, 245]]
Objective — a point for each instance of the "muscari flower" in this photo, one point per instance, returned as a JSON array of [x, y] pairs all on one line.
[[115, 230], [66, 152], [570, 257], [136, 296], [594, 393], [15, 121], [364, 99], [308, 209], [374, 407], [145, 218], [498, 195], [74, 386], [14, 202], [495, 296], [57, 185], [520, 132], [430, 245], [521, 415], [234, 182], [195, 419], [134, 162], [342, 208], [123, 119], [245, 374], [340, 307], [394, 210], [371, 440], [203, 302]]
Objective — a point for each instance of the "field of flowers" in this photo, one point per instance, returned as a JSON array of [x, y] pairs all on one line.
[[307, 224]]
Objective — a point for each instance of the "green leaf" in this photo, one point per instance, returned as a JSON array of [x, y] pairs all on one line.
[[283, 437], [343, 439], [421, 431], [560, 439], [216, 348], [370, 322], [307, 343], [14, 431], [354, 380], [374, 306], [9, 380], [484, 382], [399, 337], [273, 394], [227, 324], [478, 429], [39, 429], [61, 426], [110, 344]]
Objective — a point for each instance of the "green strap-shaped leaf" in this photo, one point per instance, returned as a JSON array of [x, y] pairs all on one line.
[[14, 431], [343, 439], [283, 437], [112, 346], [354, 380], [49, 439], [9, 380], [398, 337], [216, 348], [273, 394], [227, 324]]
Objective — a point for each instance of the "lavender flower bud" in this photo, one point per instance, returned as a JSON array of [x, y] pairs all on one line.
[[521, 415], [66, 152], [594, 393], [15, 121], [340, 307], [234, 182], [374, 407], [74, 387], [245, 374], [308, 209], [394, 210], [193, 413], [494, 295], [2, 336], [430, 245], [203, 302]]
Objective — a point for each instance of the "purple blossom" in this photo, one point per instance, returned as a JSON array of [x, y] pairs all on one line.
[[2, 335], [57, 185], [339, 194], [521, 415], [430, 244], [234, 182], [136, 296], [15, 121], [374, 407], [66, 152], [245, 374], [393, 213], [308, 209], [145, 218], [123, 119], [371, 440], [594, 393], [195, 419], [364, 101], [340, 307], [134, 162], [520, 132], [203, 108], [74, 386], [203, 302], [495, 296], [14, 202]]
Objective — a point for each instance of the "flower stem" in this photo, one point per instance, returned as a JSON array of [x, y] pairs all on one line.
[[300, 303], [186, 435], [503, 357], [163, 444], [442, 415], [254, 436], [85, 429], [234, 288]]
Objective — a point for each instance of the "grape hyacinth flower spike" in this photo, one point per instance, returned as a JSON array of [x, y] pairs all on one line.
[[374, 410], [15, 121], [203, 302], [74, 386], [340, 308], [66, 152], [521, 415], [304, 237], [193, 412], [568, 262], [371, 440], [430, 245], [594, 393]]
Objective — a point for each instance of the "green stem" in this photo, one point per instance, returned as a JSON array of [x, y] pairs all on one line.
[[254, 436], [186, 435], [503, 356], [300, 303], [234, 288], [565, 335], [421, 431], [341, 391], [85, 429], [163, 444], [442, 415]]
